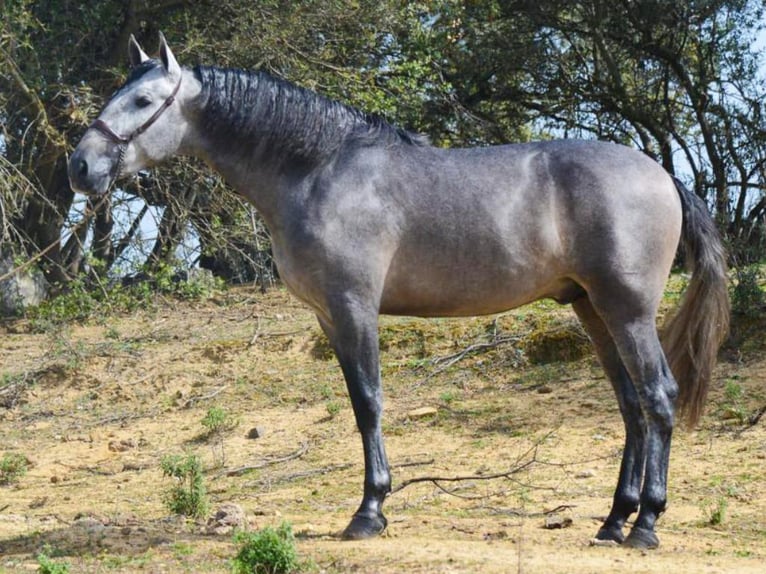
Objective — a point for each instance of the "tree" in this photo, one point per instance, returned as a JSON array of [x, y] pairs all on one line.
[[60, 59], [679, 80]]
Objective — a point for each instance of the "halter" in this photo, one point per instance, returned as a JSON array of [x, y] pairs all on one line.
[[123, 141]]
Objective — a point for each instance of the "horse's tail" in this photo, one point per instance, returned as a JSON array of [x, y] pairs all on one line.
[[694, 333]]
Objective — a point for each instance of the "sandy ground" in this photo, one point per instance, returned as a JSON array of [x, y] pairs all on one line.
[[95, 407]]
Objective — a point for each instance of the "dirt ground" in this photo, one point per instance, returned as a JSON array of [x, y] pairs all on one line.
[[95, 407]]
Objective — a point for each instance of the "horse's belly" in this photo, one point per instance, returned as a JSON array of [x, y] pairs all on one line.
[[467, 296]]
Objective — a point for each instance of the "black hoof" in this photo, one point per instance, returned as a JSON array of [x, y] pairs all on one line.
[[610, 534], [362, 527], [642, 538]]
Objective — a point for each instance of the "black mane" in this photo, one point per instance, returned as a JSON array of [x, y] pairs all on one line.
[[257, 109]]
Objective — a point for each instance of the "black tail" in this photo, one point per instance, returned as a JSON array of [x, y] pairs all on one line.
[[696, 330]]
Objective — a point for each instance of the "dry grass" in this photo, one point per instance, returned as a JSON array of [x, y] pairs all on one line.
[[96, 407]]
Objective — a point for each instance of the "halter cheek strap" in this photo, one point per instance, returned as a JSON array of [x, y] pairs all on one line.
[[123, 141]]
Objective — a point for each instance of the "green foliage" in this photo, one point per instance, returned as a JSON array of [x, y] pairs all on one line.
[[733, 406], [47, 566], [189, 495], [268, 551], [333, 408], [716, 511], [747, 295], [86, 299], [13, 466], [218, 421], [465, 73]]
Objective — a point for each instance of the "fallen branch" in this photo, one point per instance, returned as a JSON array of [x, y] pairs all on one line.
[[302, 474], [438, 479], [268, 462], [447, 361], [190, 402]]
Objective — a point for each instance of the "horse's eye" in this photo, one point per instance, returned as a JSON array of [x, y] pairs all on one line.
[[143, 101]]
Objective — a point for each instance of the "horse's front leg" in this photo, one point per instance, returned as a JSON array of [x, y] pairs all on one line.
[[353, 334]]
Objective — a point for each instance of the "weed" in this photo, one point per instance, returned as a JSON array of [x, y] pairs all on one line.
[[218, 421], [268, 551], [47, 566], [333, 408], [12, 467], [181, 549], [448, 397], [716, 511], [189, 496], [733, 406]]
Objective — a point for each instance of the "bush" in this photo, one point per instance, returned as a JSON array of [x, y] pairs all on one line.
[[189, 496], [747, 296], [48, 566], [268, 551], [12, 468], [218, 421]]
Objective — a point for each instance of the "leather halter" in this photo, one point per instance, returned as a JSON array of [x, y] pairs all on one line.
[[101, 126], [123, 141]]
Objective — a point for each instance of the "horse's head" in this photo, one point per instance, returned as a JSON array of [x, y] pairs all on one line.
[[141, 125]]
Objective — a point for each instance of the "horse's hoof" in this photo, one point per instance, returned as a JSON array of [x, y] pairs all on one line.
[[607, 534], [362, 527], [642, 538]]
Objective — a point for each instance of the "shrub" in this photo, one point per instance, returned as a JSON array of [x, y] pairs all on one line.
[[747, 297], [189, 496], [217, 421], [12, 467], [268, 551], [47, 566]]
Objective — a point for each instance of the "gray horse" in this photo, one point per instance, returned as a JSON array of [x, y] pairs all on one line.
[[367, 219]]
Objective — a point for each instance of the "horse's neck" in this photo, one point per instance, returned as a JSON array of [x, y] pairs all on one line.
[[259, 132]]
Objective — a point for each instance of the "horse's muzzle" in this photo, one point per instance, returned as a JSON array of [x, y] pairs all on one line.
[[90, 173]]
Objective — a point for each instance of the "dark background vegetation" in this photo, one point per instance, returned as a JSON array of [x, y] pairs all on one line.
[[682, 81]]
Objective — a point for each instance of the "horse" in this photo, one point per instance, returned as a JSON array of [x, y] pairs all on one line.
[[369, 219]]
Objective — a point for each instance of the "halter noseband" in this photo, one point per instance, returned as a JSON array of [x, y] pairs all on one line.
[[123, 141]]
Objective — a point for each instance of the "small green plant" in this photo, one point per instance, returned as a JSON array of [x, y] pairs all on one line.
[[12, 467], [218, 421], [45, 565], [189, 495], [716, 511], [448, 397], [333, 408], [733, 406], [268, 551]]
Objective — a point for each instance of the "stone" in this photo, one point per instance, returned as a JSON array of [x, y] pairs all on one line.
[[25, 288], [226, 519]]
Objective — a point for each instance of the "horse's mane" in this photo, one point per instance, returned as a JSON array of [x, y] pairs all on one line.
[[256, 109]]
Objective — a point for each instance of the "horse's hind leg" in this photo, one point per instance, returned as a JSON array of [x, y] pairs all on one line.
[[629, 315], [353, 334], [627, 493]]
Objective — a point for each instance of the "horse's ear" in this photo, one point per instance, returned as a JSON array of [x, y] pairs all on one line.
[[167, 57], [135, 53]]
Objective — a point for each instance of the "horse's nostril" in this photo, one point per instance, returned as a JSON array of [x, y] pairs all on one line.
[[82, 168]]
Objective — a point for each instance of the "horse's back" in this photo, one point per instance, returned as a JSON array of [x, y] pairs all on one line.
[[488, 229]]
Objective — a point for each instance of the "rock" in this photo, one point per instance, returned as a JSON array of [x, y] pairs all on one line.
[[227, 518], [555, 521], [586, 474], [256, 432], [23, 289]]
